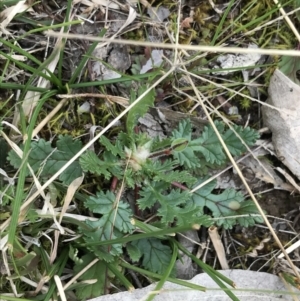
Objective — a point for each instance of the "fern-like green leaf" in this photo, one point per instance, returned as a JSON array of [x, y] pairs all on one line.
[[151, 194], [110, 165], [227, 204], [186, 157], [234, 143], [116, 150], [172, 206], [91, 163], [176, 176], [209, 145]]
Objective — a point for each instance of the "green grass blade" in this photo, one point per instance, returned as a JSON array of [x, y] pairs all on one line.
[[157, 276], [14, 86], [221, 23], [25, 66], [121, 277], [114, 80], [85, 58], [211, 272], [140, 236], [67, 23], [21, 180]]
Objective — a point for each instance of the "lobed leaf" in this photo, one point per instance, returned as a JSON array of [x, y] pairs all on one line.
[[156, 256], [234, 143], [171, 206], [50, 160], [116, 150], [176, 176], [116, 212], [229, 203], [102, 230], [95, 272], [90, 162], [151, 193]]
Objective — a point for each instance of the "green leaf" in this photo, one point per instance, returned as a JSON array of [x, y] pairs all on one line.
[[91, 163], [42, 155], [140, 109], [184, 130], [110, 165], [185, 156], [115, 219], [156, 256], [118, 213], [133, 252], [40, 150], [233, 142], [116, 150], [290, 66], [95, 272], [102, 230], [227, 204], [160, 167], [248, 207], [66, 149], [171, 206], [151, 193], [176, 176], [209, 145]]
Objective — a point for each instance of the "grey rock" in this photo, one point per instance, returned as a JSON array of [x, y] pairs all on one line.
[[249, 284]]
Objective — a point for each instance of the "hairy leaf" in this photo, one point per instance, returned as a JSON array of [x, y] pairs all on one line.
[[156, 256]]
